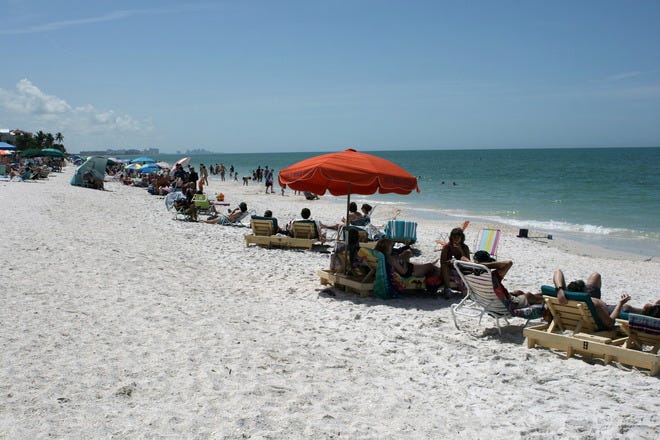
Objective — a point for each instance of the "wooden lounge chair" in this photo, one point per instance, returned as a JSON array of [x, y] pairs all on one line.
[[576, 329], [304, 234], [641, 330], [488, 240], [362, 283], [264, 231], [481, 298], [374, 280]]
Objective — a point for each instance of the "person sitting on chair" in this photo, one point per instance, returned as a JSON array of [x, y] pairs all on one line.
[[517, 299], [229, 218], [305, 215], [454, 249], [269, 214], [353, 215]]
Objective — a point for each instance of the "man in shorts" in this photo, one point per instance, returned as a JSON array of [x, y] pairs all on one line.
[[607, 314]]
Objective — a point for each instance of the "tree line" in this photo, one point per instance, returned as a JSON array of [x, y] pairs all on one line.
[[40, 140]]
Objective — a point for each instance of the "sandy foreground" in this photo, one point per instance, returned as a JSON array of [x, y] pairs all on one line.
[[119, 322]]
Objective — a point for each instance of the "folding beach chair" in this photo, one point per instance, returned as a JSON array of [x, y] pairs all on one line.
[[238, 221], [481, 298], [488, 240], [402, 231], [202, 203]]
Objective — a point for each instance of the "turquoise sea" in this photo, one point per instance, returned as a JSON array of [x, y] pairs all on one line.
[[606, 196]]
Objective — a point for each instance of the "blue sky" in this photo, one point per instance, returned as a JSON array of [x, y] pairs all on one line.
[[253, 76]]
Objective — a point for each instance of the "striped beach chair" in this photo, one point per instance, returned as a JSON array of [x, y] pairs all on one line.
[[402, 231], [488, 240]]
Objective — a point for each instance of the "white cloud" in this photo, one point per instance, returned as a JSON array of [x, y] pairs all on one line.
[[29, 100], [108, 17], [623, 75]]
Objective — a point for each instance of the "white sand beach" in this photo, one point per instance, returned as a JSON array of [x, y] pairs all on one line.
[[119, 322]]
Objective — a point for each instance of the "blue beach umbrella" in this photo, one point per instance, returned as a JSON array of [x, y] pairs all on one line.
[[143, 160], [133, 166], [149, 168], [6, 146]]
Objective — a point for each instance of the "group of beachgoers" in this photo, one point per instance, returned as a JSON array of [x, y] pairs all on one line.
[[437, 273], [21, 169]]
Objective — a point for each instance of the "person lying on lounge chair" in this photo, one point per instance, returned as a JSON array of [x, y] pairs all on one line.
[[401, 262], [231, 217], [607, 314], [648, 309]]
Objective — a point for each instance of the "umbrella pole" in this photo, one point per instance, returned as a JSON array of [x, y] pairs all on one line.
[[345, 232]]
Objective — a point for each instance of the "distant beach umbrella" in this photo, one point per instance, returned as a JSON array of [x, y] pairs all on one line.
[[133, 166], [142, 160], [6, 152], [163, 164], [184, 161], [6, 146], [149, 168], [52, 152]]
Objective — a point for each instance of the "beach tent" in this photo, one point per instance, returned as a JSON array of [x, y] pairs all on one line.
[[6, 146], [95, 165]]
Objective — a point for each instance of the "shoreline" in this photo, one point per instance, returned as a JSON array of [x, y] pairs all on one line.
[[119, 321]]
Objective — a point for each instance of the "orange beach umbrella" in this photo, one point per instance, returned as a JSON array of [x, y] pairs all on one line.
[[348, 172]]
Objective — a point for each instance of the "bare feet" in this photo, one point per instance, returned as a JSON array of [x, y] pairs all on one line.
[[561, 296]]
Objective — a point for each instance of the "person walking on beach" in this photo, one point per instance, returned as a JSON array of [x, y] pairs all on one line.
[[223, 170], [204, 175], [269, 180]]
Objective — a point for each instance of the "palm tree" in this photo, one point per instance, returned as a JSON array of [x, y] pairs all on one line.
[[58, 137], [49, 140], [40, 138]]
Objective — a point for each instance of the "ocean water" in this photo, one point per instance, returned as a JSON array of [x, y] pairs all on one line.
[[605, 196]]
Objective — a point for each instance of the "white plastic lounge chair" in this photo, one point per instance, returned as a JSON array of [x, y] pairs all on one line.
[[481, 298]]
